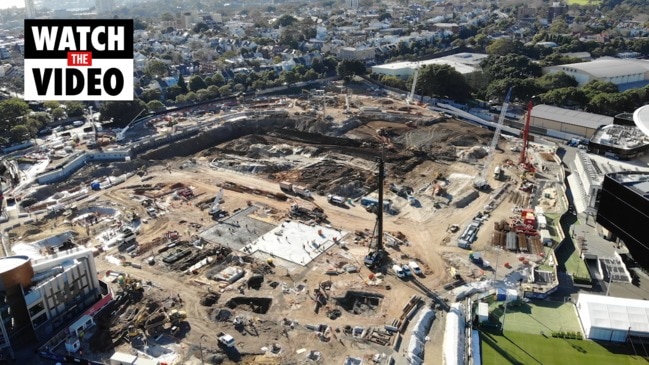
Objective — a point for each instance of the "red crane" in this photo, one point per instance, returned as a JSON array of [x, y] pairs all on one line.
[[526, 135]]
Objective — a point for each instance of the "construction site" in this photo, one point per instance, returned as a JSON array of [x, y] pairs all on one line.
[[314, 235]]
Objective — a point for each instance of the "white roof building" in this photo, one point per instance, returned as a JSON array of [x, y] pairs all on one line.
[[464, 63], [612, 319], [615, 70]]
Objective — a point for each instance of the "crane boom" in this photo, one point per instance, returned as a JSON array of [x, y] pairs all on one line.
[[481, 182], [414, 85]]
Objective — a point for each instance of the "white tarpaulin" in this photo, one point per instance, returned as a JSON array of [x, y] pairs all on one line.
[[453, 347]]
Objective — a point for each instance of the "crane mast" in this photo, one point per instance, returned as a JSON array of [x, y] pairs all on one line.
[[526, 133], [414, 85], [481, 181]]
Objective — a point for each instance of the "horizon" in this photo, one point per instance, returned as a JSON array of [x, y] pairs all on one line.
[[6, 4]]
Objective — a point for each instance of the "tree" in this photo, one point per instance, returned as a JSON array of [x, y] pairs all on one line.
[[348, 68], [200, 27], [19, 133], [444, 81], [74, 108], [595, 87], [504, 47], [566, 96], [555, 81], [284, 21], [58, 113], [155, 105], [218, 79], [197, 83], [156, 69], [182, 84], [51, 104], [510, 66], [151, 94], [167, 17], [12, 109], [225, 90], [122, 112]]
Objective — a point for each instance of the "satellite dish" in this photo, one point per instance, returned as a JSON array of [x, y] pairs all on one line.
[[641, 119]]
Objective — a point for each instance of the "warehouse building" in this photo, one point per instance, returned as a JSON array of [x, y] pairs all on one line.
[[625, 73], [605, 318], [42, 295], [559, 122]]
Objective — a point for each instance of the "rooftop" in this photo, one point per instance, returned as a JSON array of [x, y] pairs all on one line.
[[620, 136], [615, 313], [568, 116], [462, 62], [606, 67], [641, 119], [637, 181]]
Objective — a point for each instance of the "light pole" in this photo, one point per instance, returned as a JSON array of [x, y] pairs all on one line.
[[200, 345]]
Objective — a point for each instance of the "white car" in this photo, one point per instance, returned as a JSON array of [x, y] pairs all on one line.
[[415, 268], [227, 340], [398, 271]]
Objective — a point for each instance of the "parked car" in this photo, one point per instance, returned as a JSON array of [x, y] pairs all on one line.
[[406, 270], [415, 268], [398, 271]]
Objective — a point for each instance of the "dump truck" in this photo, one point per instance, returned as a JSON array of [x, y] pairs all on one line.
[[288, 187]]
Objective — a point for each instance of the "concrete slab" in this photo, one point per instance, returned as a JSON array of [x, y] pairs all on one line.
[[296, 242], [238, 230]]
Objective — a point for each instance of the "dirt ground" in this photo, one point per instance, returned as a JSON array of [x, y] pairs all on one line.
[[429, 154]]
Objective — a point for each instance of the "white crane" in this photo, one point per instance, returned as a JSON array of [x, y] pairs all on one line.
[[217, 201], [122, 134], [414, 85], [481, 181]]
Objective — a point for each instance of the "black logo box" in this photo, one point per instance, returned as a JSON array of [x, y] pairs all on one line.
[[32, 52]]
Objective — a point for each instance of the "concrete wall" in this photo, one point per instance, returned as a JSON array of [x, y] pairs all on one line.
[[72, 166], [562, 127]]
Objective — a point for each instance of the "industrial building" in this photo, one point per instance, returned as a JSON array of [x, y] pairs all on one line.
[[619, 142], [546, 119], [468, 64], [625, 73], [587, 175], [624, 211], [612, 319], [42, 295]]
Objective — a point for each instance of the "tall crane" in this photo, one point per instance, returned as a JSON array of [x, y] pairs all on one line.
[[414, 85], [377, 256], [481, 181], [526, 136]]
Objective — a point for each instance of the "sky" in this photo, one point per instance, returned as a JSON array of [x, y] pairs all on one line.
[[4, 4]]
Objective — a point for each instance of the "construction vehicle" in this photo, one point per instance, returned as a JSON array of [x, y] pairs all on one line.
[[481, 181], [317, 214], [226, 340], [335, 199], [377, 255], [499, 173], [288, 187]]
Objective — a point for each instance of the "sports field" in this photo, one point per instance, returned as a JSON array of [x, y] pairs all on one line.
[[538, 316], [582, 2], [525, 349]]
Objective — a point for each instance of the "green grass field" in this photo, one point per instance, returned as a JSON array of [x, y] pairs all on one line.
[[525, 349], [582, 2], [537, 316]]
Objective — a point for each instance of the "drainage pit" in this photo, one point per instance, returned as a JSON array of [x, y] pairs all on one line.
[[361, 303], [250, 304]]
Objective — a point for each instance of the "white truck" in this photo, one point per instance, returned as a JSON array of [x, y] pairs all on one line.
[[336, 199], [226, 340], [296, 189]]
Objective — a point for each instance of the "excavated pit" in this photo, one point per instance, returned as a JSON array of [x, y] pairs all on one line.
[[361, 303], [250, 304]]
